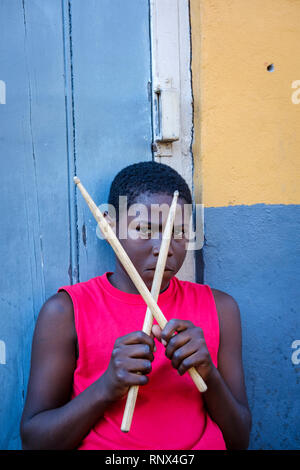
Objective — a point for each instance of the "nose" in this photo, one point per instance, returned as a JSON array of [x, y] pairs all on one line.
[[156, 249]]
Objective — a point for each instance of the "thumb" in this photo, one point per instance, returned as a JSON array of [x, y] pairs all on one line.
[[156, 331]]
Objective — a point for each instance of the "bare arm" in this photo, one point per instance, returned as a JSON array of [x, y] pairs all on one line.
[[51, 420], [225, 397]]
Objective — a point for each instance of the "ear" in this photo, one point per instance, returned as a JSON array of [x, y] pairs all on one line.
[[110, 220], [112, 223]]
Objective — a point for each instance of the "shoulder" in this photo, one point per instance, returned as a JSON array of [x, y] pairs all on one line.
[[58, 305], [56, 317], [225, 303], [228, 313]]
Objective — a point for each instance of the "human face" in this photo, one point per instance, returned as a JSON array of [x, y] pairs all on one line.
[[144, 224]]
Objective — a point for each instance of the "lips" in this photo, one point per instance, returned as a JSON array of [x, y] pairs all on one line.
[[167, 268]]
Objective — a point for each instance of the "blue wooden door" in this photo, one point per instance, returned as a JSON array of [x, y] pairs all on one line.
[[75, 99]]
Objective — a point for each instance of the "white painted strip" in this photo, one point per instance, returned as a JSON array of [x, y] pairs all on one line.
[[170, 43]]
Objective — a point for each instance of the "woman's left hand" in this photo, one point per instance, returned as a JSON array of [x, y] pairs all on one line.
[[185, 347]]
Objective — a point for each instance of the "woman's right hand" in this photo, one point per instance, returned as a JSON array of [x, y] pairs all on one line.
[[129, 365]]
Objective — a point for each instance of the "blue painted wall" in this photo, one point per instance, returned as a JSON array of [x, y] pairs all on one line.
[[253, 252], [77, 102]]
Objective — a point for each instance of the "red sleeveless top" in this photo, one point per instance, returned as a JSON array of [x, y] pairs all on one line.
[[169, 412]]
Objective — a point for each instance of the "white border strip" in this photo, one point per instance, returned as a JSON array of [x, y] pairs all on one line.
[[171, 56]]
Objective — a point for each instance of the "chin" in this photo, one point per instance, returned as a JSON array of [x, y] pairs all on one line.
[[149, 275]]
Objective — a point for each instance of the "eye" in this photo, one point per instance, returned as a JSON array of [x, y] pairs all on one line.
[[178, 232], [143, 229]]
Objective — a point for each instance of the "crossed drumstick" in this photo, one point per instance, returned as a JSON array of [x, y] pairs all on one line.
[[153, 309]]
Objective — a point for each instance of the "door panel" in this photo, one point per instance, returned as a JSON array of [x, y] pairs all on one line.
[[76, 76], [34, 235], [112, 109]]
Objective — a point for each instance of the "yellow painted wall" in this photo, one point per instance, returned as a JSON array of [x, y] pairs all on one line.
[[247, 129]]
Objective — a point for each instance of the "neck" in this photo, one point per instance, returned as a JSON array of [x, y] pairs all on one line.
[[120, 280]]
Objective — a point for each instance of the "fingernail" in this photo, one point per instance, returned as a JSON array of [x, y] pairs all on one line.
[[164, 342]]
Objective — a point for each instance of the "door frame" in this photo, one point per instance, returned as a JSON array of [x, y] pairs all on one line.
[[171, 66]]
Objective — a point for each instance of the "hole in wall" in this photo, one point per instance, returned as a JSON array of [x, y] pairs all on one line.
[[270, 68]]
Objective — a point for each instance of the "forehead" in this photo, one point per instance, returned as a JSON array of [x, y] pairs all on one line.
[[148, 206], [154, 198]]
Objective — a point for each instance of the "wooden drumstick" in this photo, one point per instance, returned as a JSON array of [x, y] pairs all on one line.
[[155, 290], [112, 239]]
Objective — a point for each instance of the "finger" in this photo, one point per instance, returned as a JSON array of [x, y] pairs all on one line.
[[183, 353], [192, 360], [153, 337], [142, 351], [130, 378], [156, 331], [136, 379], [142, 366], [174, 326], [137, 337], [176, 342]]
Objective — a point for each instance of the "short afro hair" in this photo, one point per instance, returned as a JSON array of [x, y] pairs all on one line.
[[147, 177]]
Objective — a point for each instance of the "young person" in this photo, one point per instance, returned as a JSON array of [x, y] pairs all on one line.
[[88, 347]]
